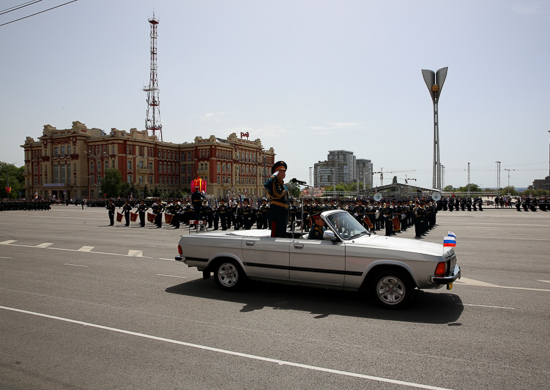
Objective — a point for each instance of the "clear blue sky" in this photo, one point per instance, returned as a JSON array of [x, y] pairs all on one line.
[[305, 77]]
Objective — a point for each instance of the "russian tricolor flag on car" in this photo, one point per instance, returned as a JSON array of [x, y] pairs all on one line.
[[449, 241], [451, 234]]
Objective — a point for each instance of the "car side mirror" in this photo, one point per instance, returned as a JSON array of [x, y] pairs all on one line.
[[329, 235]]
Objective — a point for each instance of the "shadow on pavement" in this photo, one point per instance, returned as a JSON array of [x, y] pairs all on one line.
[[428, 307]]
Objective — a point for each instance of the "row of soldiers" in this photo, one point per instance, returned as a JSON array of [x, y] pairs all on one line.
[[391, 215], [532, 204], [34, 204], [460, 203]]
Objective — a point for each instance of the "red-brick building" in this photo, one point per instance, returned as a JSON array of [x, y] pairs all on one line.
[[70, 163]]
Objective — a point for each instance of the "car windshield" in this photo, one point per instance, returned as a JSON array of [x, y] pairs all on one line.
[[346, 226]]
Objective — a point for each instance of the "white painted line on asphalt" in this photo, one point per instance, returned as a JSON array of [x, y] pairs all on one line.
[[44, 245], [160, 258], [76, 265], [228, 352], [173, 276], [2, 257], [134, 253], [86, 249], [7, 242], [545, 281], [472, 282], [492, 307]]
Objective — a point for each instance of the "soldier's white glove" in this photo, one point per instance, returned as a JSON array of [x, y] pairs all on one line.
[[276, 173]]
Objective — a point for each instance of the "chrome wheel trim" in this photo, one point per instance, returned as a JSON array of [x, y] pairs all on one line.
[[390, 290], [228, 275]]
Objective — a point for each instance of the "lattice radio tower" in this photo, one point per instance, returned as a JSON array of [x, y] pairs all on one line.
[[152, 120]]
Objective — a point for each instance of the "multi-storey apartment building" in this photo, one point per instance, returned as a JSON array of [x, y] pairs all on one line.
[[70, 163], [342, 166]]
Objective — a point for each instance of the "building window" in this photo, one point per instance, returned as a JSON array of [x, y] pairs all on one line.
[[55, 152], [106, 165], [62, 173], [129, 165]]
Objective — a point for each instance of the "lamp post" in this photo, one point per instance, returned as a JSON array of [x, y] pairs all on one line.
[[434, 82], [509, 179], [498, 177]]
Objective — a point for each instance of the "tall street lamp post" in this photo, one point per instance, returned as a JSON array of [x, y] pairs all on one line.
[[434, 82], [508, 170]]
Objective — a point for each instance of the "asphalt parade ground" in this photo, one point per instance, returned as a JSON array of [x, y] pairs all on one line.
[[84, 305]]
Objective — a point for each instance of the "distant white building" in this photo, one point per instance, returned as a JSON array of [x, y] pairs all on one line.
[[342, 166]]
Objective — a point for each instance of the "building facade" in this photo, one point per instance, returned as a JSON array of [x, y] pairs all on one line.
[[70, 163], [542, 184], [342, 166]]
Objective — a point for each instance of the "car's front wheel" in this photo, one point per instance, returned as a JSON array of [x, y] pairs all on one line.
[[393, 289], [229, 275]]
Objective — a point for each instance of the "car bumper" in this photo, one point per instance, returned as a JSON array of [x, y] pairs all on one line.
[[456, 274], [179, 258]]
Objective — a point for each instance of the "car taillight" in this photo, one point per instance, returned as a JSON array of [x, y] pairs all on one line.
[[180, 251], [440, 269]]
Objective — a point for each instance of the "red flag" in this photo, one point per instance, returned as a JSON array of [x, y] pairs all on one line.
[[200, 183]]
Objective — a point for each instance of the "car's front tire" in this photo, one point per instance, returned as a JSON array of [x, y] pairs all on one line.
[[393, 289], [229, 275]]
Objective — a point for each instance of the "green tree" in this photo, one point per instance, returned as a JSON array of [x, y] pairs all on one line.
[[448, 188], [134, 191], [146, 192], [112, 183], [16, 178], [156, 192], [124, 190], [509, 190], [293, 189], [473, 188]]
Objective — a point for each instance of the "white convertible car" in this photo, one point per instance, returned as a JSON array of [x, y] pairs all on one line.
[[348, 257]]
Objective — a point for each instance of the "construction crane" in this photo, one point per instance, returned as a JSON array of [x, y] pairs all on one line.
[[407, 179], [382, 174]]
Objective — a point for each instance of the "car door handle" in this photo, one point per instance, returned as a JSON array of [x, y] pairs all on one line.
[[249, 243], [298, 246]]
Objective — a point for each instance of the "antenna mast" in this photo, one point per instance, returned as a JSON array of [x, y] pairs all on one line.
[[152, 119]]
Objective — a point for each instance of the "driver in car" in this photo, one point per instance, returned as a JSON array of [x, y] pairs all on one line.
[[316, 232]]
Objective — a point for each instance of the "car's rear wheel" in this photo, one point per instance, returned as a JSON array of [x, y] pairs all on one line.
[[393, 289], [229, 275]]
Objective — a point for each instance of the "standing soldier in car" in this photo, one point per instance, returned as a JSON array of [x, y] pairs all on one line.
[[278, 199]]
